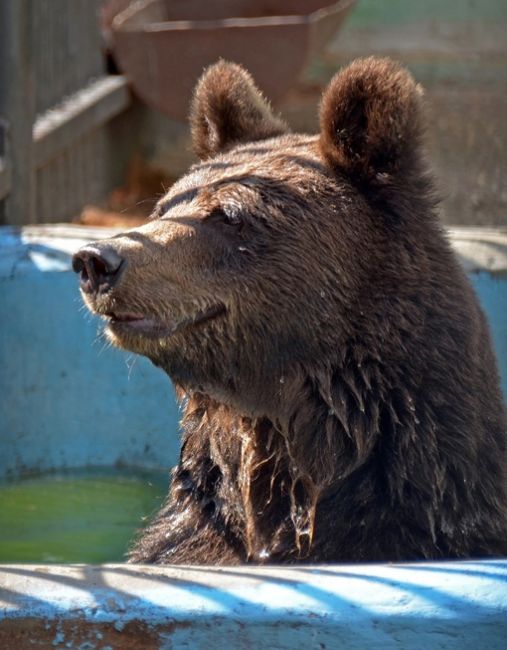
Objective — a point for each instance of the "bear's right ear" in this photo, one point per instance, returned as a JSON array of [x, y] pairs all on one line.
[[227, 109], [370, 124]]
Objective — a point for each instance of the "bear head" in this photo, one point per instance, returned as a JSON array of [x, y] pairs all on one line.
[[276, 249]]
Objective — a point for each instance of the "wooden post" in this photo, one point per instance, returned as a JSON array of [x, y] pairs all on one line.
[[17, 107]]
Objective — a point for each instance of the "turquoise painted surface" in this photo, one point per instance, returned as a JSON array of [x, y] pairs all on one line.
[[69, 400], [492, 292]]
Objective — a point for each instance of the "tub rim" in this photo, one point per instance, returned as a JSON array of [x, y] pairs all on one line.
[[478, 248]]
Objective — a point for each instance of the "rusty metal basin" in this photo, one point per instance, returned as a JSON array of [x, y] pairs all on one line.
[[162, 46]]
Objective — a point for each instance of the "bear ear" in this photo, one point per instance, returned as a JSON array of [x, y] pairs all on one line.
[[227, 108], [370, 123]]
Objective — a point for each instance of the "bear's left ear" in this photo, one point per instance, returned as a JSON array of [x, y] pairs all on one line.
[[370, 124], [227, 108]]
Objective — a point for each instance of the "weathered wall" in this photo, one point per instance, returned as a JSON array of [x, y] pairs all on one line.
[[57, 146], [457, 50]]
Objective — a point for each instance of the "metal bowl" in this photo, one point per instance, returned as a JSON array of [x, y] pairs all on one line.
[[162, 46]]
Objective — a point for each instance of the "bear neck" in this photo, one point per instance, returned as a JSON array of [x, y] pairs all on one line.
[[271, 471]]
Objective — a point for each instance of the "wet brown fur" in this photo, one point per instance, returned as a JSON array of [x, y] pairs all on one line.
[[342, 400]]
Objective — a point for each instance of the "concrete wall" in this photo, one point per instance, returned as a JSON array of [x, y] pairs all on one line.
[[448, 605]]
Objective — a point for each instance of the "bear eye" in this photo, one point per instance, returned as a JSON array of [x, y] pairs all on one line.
[[228, 215], [158, 211]]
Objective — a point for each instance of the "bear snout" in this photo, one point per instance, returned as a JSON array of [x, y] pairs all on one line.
[[99, 266]]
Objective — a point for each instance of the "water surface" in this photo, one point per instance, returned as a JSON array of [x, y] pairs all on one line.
[[87, 516]]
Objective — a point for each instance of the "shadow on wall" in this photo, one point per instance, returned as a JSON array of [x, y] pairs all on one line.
[[459, 605]]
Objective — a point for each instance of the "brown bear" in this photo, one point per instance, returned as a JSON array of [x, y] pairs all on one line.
[[341, 399]]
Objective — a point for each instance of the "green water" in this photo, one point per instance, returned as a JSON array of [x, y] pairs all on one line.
[[85, 516]]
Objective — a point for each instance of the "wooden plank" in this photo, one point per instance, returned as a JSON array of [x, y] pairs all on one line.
[[85, 110], [5, 170], [68, 47], [5, 178], [17, 107]]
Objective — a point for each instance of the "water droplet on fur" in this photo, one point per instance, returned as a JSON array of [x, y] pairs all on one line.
[[282, 380], [331, 411], [263, 553], [322, 294], [417, 421], [242, 249]]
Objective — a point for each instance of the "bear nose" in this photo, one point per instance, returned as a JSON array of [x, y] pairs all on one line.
[[99, 267]]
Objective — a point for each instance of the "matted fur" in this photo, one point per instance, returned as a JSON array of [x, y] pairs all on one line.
[[341, 399]]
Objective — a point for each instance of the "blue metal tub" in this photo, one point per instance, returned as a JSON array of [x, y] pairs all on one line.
[[68, 400]]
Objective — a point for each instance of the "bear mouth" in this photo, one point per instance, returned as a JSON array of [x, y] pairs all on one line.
[[155, 328]]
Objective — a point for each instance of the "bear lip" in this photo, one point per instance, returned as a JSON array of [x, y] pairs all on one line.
[[152, 327], [125, 317]]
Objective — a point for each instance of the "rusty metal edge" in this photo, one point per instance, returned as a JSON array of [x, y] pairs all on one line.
[[120, 21], [417, 605]]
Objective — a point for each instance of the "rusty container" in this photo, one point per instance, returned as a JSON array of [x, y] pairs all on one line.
[[162, 46]]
